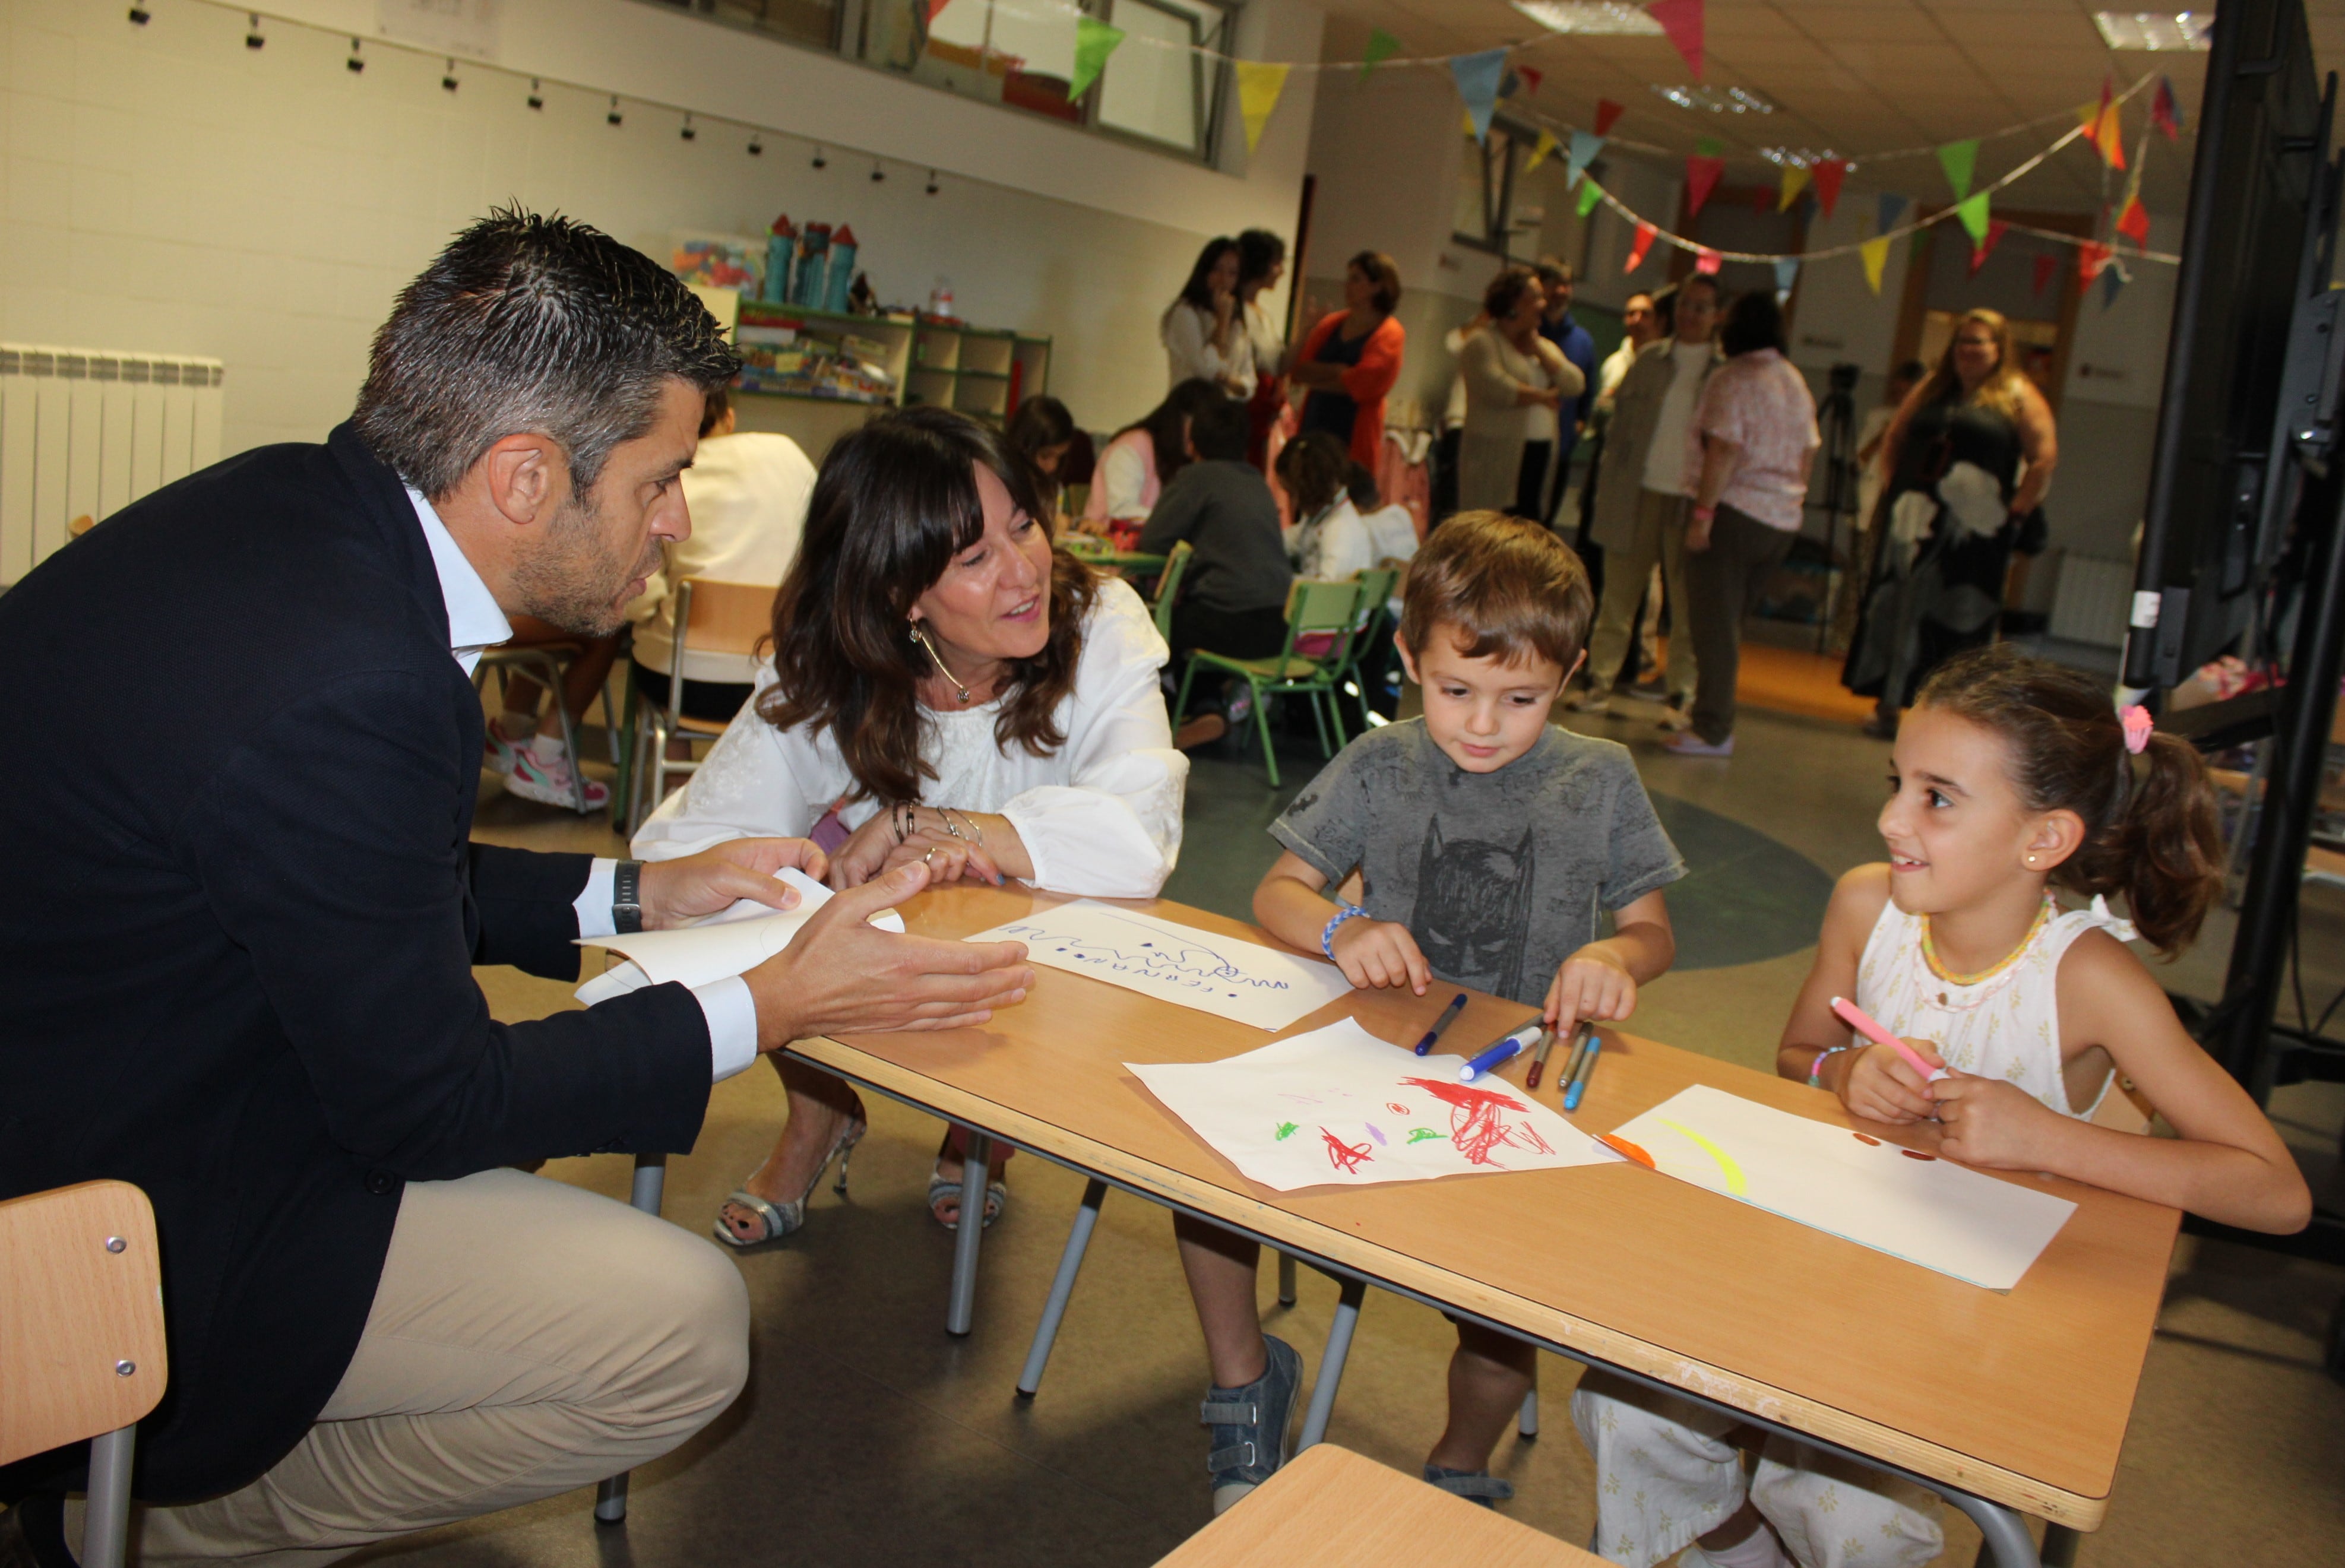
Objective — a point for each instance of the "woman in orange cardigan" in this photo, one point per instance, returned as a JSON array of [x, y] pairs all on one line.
[[1352, 357]]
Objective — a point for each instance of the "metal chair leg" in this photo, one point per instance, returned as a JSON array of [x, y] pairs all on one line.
[[1526, 1423], [1285, 1279], [105, 1530], [975, 1169], [1062, 1286], [1262, 722], [1331, 1363], [650, 1183]]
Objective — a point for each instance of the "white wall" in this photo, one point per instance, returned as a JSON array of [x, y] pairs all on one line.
[[170, 190]]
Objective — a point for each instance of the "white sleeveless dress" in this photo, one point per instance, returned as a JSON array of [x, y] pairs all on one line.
[[2003, 1023]]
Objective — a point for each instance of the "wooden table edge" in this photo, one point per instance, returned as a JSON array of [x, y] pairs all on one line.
[[1948, 1466]]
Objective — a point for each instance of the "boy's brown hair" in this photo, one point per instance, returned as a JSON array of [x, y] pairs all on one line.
[[1506, 587]]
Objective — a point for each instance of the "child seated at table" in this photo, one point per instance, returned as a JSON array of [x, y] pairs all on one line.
[[2011, 777], [1487, 840]]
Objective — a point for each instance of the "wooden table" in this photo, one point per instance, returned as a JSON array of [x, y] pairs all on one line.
[[1330, 1508], [1999, 1402]]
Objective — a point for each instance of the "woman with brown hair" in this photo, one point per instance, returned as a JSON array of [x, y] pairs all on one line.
[[945, 686], [1970, 455], [1515, 380], [1352, 357]]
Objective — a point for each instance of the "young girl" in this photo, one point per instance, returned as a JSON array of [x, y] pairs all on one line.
[[2010, 776]]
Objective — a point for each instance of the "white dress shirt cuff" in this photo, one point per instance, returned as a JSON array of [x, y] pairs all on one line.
[[593, 903], [732, 1014]]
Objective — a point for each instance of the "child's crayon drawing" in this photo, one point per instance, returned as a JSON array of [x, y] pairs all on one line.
[[1240, 980]]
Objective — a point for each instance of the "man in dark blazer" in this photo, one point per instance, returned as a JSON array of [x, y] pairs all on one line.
[[242, 748]]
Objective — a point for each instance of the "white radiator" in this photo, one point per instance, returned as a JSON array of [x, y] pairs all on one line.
[[84, 432], [2091, 601]]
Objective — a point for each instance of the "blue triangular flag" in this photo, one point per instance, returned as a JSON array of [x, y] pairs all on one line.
[[2112, 279], [1584, 145], [1893, 208], [1477, 77], [1787, 272]]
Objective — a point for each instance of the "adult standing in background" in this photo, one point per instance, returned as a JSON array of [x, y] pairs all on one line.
[[1757, 425], [1261, 262], [1650, 463], [1515, 379], [1348, 362], [1579, 346], [1641, 323], [1204, 329], [1970, 456]]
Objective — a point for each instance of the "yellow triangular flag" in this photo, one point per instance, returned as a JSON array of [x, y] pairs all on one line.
[[1875, 253], [1795, 180], [1259, 85], [1547, 144], [1465, 118]]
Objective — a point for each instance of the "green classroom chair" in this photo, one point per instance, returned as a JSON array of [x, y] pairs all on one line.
[[1327, 609], [1168, 588], [1372, 625]]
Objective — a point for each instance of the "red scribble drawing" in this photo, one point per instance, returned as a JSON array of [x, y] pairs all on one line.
[[1394, 1106], [1346, 1158], [1475, 1128]]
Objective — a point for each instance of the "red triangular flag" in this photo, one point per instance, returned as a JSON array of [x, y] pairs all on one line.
[[2165, 113], [1702, 174], [1644, 242], [1681, 20], [1531, 78], [2134, 221], [1606, 113], [1986, 246], [1763, 201], [935, 6], [1707, 262], [2047, 264], [2091, 257], [1828, 175]]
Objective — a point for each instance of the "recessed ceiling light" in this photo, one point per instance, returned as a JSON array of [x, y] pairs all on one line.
[[1716, 101], [1589, 16], [2156, 31], [1800, 157]]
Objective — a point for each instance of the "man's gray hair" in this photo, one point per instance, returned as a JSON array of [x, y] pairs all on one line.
[[530, 323]]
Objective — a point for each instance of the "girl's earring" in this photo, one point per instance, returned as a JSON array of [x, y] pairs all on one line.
[[2031, 860]]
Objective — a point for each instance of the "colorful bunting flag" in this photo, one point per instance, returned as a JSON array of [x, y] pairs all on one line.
[[1636, 248], [1707, 262], [1829, 173], [1874, 253], [1259, 85], [2048, 265], [1762, 200], [2104, 127], [1681, 20], [2165, 113], [1607, 114], [1893, 208], [1795, 180], [1971, 212], [1382, 46], [2113, 278], [2133, 219], [1985, 247], [1704, 168], [1543, 146], [1531, 78], [1584, 148], [1787, 273], [1960, 161], [935, 6], [2091, 257], [1590, 193], [1094, 42], [1477, 77]]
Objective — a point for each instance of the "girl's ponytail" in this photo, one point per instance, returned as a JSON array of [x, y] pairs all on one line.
[[2150, 829]]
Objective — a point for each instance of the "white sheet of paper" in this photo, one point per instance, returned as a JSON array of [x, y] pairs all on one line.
[[1339, 1106], [1926, 1210], [737, 939], [1241, 980]]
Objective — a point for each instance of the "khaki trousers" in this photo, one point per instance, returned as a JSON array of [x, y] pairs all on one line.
[[1660, 538], [527, 1338]]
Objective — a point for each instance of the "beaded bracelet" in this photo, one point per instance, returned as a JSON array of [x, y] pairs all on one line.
[[1816, 1068], [1327, 937]]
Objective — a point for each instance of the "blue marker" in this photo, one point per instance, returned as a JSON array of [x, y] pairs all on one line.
[[1449, 1017], [1506, 1048], [1579, 1084]]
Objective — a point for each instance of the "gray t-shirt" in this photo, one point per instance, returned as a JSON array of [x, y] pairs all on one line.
[[1499, 876]]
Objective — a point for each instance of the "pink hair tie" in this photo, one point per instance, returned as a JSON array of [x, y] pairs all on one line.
[[2137, 725]]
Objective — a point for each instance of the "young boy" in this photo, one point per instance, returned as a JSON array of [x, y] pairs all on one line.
[[1486, 841]]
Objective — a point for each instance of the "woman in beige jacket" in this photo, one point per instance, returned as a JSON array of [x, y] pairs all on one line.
[[1514, 381]]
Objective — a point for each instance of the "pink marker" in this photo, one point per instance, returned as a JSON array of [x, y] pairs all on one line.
[[1857, 1018]]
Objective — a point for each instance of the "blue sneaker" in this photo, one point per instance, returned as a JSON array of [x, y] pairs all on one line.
[[1250, 1425], [1474, 1485]]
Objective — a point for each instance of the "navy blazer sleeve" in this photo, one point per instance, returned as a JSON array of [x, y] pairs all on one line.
[[362, 933]]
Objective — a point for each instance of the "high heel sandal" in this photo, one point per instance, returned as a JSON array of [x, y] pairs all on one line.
[[780, 1218], [942, 1187]]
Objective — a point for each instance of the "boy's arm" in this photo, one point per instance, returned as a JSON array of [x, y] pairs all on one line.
[[1175, 517], [1600, 980], [1291, 904]]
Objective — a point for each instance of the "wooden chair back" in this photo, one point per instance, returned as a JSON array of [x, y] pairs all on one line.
[[723, 617], [81, 1316]]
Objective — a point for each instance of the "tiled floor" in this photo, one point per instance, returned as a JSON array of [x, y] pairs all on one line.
[[869, 1436]]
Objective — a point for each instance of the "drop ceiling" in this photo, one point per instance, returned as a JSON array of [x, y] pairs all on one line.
[[1854, 77]]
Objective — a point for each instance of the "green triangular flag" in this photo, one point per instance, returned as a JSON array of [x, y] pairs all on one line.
[[1709, 146], [1382, 46], [1094, 42], [1590, 193], [1960, 161], [1972, 211]]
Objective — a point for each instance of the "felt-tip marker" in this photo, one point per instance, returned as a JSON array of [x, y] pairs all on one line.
[[1505, 1048], [1857, 1018], [1586, 1070], [1449, 1017], [1581, 1033], [1538, 1058]]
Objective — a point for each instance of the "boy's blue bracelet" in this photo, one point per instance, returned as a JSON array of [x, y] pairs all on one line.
[[1327, 937]]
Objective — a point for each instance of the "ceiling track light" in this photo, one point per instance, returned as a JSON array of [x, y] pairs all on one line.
[[932, 182], [252, 38], [614, 118], [140, 16], [536, 96], [688, 134], [757, 145], [878, 174], [819, 160], [354, 63], [448, 77]]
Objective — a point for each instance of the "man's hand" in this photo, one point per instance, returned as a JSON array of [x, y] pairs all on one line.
[[1697, 535], [844, 976], [1882, 1086], [678, 891], [1379, 953], [1593, 983], [1991, 1123]]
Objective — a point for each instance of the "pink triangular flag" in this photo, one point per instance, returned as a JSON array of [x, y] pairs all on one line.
[[1707, 262], [1702, 174], [1986, 246], [1681, 20], [2047, 266]]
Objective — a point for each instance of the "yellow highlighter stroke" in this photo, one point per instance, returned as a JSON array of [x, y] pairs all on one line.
[[1734, 1181]]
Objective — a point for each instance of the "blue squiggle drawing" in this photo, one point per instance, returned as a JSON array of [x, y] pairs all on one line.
[[1155, 952]]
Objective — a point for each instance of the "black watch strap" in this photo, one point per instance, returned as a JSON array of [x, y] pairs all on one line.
[[627, 897]]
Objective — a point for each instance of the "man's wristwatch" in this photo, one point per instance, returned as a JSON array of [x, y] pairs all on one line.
[[627, 897]]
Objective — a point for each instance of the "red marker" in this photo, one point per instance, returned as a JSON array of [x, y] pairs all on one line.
[[1857, 1018]]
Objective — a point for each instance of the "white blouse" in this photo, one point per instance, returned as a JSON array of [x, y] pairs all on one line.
[[1333, 544], [1190, 353], [1100, 818]]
